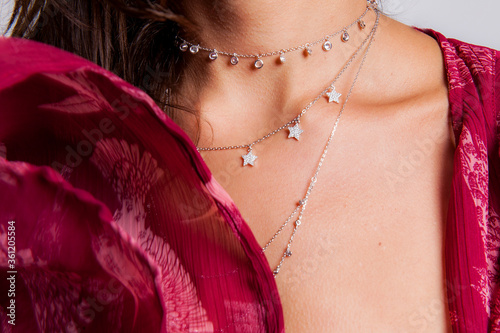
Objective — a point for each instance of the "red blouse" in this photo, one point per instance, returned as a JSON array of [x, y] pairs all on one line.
[[119, 226]]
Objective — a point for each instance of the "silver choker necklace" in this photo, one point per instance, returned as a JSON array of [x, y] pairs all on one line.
[[235, 57]]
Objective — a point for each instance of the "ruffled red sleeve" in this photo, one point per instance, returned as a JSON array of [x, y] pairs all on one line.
[[119, 225]]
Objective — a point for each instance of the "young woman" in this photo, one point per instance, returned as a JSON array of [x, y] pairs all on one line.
[[308, 166]]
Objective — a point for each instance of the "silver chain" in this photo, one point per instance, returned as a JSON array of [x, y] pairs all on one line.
[[303, 202], [278, 52], [304, 110]]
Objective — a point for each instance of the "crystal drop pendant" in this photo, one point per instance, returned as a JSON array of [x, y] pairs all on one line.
[[184, 47], [213, 55], [194, 49], [361, 24], [258, 63], [327, 45], [297, 223], [282, 58], [308, 50], [276, 271], [288, 253], [345, 36], [234, 60]]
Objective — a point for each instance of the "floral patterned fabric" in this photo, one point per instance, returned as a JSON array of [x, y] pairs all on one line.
[[120, 226]]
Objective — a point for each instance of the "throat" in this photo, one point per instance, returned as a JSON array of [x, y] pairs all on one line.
[[263, 25]]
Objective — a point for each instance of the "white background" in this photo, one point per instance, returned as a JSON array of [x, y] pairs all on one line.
[[473, 21]]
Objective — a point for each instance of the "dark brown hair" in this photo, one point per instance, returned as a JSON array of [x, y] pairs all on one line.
[[134, 39]]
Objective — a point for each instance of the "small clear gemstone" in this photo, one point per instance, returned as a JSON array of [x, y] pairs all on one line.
[[297, 223], [301, 202], [213, 55], [345, 36], [249, 159], [308, 49], [361, 24], [184, 47], [327, 46], [234, 60], [288, 253], [282, 58], [295, 131], [194, 49], [258, 63], [276, 271]]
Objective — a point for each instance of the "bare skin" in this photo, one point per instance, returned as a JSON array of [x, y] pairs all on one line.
[[369, 257]]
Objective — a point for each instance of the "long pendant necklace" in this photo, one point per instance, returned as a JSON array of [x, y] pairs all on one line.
[[295, 132], [293, 125], [307, 48], [303, 202]]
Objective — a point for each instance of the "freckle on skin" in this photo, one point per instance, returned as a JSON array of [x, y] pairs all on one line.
[[379, 243]]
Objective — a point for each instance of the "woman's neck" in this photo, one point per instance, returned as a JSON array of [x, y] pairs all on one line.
[[266, 25], [218, 90]]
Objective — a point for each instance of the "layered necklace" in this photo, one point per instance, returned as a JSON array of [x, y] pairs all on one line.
[[295, 131], [293, 125]]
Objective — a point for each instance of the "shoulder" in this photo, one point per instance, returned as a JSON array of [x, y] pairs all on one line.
[[407, 63], [21, 58], [57, 108], [61, 84], [414, 64], [48, 67], [424, 55], [473, 75], [468, 63]]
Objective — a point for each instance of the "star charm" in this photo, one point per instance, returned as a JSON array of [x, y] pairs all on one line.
[[295, 132], [249, 158], [333, 96]]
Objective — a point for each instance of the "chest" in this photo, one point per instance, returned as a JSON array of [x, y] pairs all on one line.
[[368, 255]]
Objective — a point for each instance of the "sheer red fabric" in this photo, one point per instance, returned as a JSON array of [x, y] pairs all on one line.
[[120, 226]]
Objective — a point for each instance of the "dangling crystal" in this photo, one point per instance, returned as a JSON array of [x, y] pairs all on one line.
[[184, 47], [373, 4], [327, 45], [297, 223], [194, 49], [361, 24], [213, 55], [301, 202], [282, 58], [276, 271], [345, 36], [288, 253], [308, 50], [234, 60], [258, 63]]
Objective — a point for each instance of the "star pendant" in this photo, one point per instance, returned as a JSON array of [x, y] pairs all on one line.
[[249, 158], [333, 96], [295, 132]]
